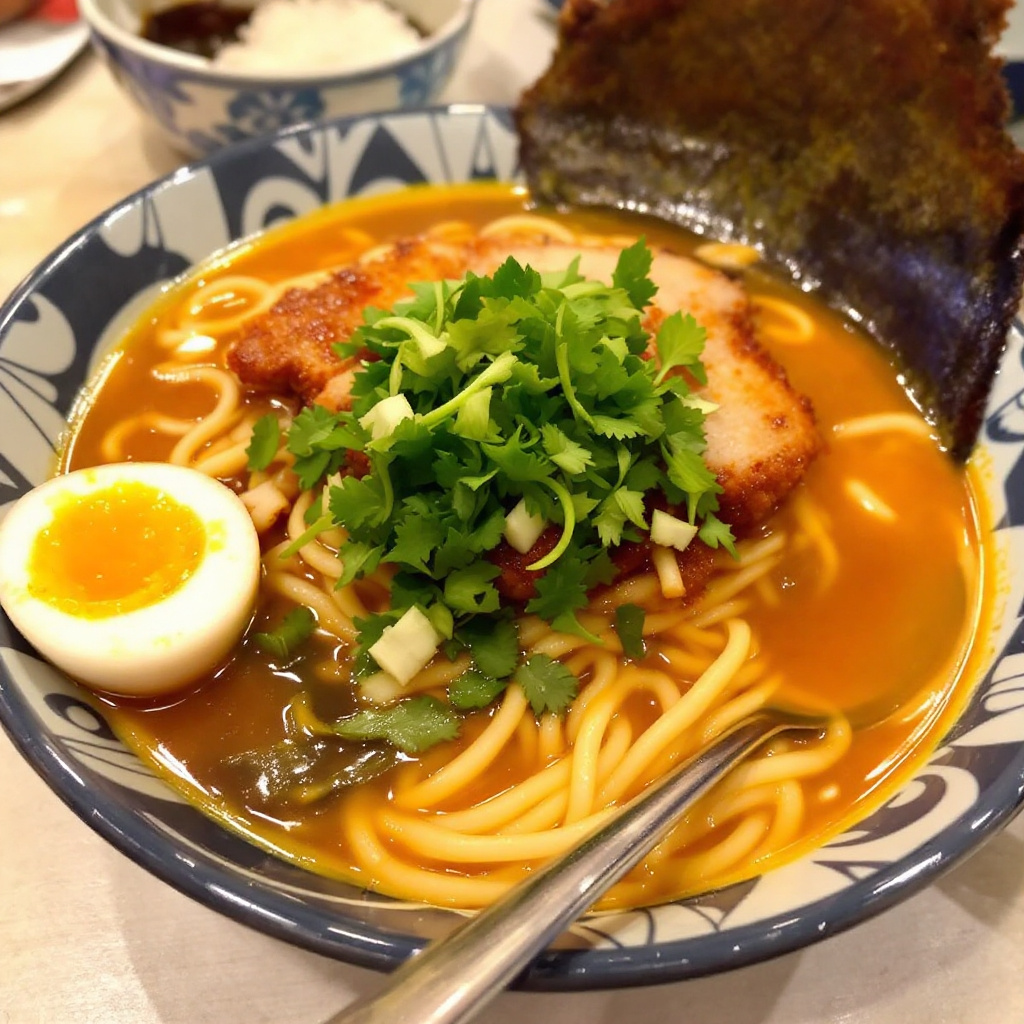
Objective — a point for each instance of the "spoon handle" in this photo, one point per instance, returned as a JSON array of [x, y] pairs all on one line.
[[456, 976]]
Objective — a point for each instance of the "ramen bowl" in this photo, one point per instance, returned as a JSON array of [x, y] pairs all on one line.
[[199, 106], [54, 329]]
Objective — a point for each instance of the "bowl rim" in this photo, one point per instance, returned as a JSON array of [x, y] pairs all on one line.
[[103, 27], [384, 949]]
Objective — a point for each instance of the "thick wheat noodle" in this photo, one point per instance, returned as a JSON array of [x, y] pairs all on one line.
[[726, 587], [797, 764], [796, 328], [112, 445], [256, 293], [868, 499], [682, 715], [225, 463], [639, 590], [452, 231], [430, 840], [882, 423], [441, 672], [405, 880], [528, 224], [789, 813], [527, 739], [215, 422], [550, 812], [512, 803], [814, 526], [727, 255], [722, 612], [593, 726], [302, 591], [602, 668], [552, 737], [698, 636], [348, 600], [739, 708], [471, 761], [683, 663]]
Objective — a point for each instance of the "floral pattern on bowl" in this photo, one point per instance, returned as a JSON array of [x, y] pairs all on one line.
[[201, 108]]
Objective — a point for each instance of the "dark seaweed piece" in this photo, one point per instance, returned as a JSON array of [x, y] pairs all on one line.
[[859, 144], [305, 770]]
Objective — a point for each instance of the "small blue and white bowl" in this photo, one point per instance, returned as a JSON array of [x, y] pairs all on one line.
[[201, 107]]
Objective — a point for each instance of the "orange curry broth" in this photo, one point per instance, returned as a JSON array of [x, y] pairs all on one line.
[[899, 615]]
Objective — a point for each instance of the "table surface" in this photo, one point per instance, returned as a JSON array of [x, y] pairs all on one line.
[[87, 936]]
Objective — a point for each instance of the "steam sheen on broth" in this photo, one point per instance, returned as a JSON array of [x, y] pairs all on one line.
[[867, 590]]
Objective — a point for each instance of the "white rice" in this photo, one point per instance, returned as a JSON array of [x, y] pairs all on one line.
[[318, 35]]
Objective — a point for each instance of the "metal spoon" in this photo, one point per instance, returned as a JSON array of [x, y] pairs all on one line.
[[458, 975]]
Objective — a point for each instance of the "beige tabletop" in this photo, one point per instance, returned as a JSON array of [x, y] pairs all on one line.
[[86, 936]]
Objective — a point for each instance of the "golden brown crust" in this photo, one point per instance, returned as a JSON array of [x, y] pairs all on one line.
[[859, 143], [289, 348]]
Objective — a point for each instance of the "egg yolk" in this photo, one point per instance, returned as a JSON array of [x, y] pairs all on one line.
[[118, 549]]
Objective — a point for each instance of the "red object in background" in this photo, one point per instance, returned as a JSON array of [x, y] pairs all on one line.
[[55, 10]]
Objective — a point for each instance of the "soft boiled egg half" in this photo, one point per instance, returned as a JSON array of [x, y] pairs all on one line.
[[134, 578]]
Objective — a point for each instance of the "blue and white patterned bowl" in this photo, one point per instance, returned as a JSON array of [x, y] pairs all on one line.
[[200, 107], [51, 330]]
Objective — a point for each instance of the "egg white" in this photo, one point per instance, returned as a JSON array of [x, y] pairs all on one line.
[[163, 646]]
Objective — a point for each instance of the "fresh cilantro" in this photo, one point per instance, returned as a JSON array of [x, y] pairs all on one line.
[[474, 690], [548, 684], [494, 645], [629, 625], [263, 445], [295, 628], [411, 725], [680, 341], [522, 386], [631, 274]]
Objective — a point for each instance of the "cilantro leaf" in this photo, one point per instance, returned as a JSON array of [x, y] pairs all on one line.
[[494, 645], [548, 684], [680, 342], [631, 274], [295, 628], [263, 445], [411, 725], [629, 625], [474, 690]]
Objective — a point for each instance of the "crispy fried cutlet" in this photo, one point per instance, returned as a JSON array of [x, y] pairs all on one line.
[[760, 440]]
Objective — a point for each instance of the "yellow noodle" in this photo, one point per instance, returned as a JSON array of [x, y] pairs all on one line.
[[552, 737], [302, 591], [604, 671], [225, 463], [695, 703], [591, 732], [474, 759], [550, 812], [528, 224], [215, 421], [727, 255], [405, 881], [253, 293], [512, 803], [883, 423], [789, 324], [428, 839], [112, 447], [869, 500], [813, 524]]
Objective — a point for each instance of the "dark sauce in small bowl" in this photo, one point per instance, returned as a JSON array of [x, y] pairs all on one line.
[[203, 27], [199, 27]]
